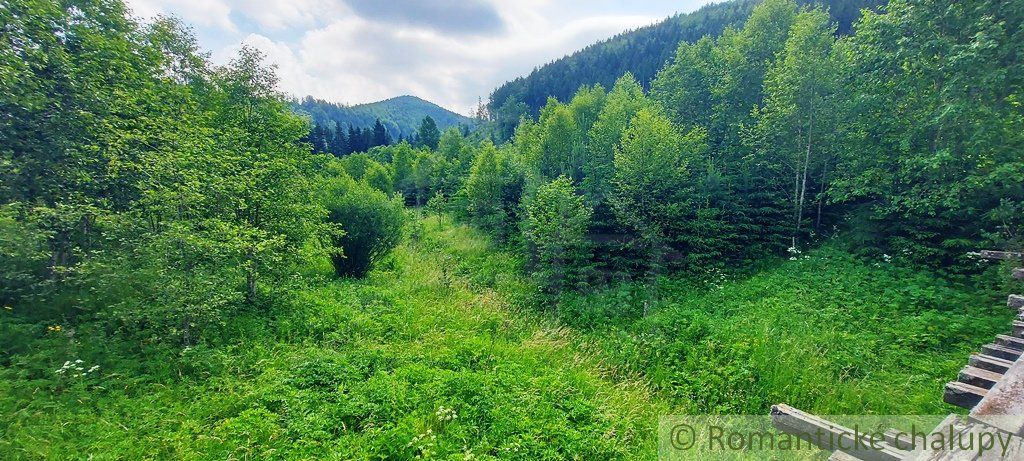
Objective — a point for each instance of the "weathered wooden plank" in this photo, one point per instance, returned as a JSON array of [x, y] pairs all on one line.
[[963, 395], [961, 428], [840, 456], [1018, 328], [795, 422], [1003, 352], [1003, 406], [1015, 302], [1010, 341], [990, 363], [1018, 273], [897, 439], [1000, 255], [978, 377]]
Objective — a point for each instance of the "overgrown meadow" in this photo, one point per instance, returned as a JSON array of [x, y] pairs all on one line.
[[191, 269]]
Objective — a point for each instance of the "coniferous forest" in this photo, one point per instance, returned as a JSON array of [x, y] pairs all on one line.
[[194, 265]]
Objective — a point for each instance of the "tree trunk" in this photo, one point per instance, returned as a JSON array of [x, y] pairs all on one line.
[[803, 184], [821, 196]]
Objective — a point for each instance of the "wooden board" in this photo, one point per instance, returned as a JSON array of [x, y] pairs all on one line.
[[1003, 352], [990, 363], [795, 422], [963, 428], [840, 456], [979, 377], [1001, 255], [1010, 341], [1003, 405], [963, 395]]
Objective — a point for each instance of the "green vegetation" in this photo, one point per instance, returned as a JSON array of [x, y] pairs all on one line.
[[435, 354], [784, 216], [442, 337], [825, 331], [341, 130], [370, 224], [641, 52]]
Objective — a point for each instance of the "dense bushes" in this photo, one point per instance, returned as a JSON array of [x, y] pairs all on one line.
[[555, 224], [778, 134], [371, 224], [154, 193], [825, 331]]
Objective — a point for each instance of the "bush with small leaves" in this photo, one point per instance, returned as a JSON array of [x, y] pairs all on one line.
[[372, 224]]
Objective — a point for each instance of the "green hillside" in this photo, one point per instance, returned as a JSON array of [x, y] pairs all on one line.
[[643, 52], [400, 115]]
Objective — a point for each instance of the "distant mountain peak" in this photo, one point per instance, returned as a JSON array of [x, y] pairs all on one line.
[[401, 115]]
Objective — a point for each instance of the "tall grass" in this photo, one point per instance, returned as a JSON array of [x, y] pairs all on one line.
[[827, 332], [447, 351], [435, 355]]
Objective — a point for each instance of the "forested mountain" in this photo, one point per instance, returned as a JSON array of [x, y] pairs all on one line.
[[401, 116], [641, 52]]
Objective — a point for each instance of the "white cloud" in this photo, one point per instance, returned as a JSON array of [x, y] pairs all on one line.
[[327, 50], [203, 13]]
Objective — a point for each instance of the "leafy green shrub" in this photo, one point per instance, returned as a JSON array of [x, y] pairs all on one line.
[[372, 224], [363, 168], [555, 229], [23, 257]]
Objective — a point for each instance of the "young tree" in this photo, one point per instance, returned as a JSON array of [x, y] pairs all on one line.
[[555, 226], [264, 182], [560, 143], [795, 127], [493, 190], [742, 59], [426, 173], [508, 116], [623, 102], [683, 87], [403, 158], [458, 157], [355, 141], [339, 144], [648, 193], [380, 135], [427, 133]]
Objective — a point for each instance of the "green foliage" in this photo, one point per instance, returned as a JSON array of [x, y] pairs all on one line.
[[401, 116], [363, 168], [167, 236], [555, 225], [794, 135], [825, 331], [649, 183], [427, 134], [24, 257], [493, 190], [371, 224], [162, 190], [934, 168], [396, 366], [623, 102], [641, 52], [560, 143]]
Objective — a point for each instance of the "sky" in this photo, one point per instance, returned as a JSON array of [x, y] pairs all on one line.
[[450, 52]]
